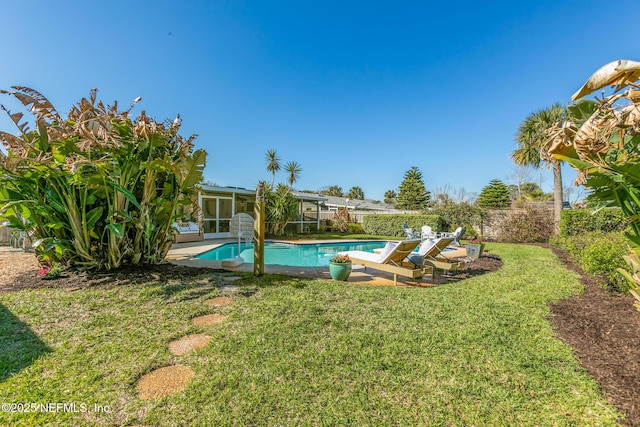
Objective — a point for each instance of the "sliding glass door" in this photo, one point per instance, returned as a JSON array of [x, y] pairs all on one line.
[[217, 213]]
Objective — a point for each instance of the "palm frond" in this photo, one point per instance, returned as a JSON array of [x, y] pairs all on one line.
[[40, 105]]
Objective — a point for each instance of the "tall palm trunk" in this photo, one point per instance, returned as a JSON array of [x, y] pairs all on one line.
[[558, 198]]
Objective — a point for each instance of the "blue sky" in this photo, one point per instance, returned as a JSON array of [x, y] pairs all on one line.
[[356, 92]]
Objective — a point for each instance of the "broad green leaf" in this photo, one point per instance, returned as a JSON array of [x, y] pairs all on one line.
[[54, 200], [128, 194], [93, 216], [581, 110], [38, 242], [192, 169], [116, 229]]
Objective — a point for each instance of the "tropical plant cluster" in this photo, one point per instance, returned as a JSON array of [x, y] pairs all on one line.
[[280, 208], [601, 140], [281, 205], [98, 188]]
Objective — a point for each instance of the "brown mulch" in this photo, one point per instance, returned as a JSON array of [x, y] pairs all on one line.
[[604, 330], [19, 270], [475, 267]]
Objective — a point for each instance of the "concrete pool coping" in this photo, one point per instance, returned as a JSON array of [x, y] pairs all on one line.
[[185, 254]]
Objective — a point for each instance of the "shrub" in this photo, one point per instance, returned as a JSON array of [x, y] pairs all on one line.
[[354, 228], [341, 220], [528, 225], [578, 221], [454, 214], [598, 253], [391, 225]]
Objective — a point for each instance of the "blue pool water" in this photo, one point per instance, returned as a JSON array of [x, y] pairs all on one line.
[[293, 254]]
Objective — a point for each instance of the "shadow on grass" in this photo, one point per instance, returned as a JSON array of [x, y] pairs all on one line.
[[19, 345]]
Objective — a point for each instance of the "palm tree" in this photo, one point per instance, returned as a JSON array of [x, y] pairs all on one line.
[[294, 170], [273, 164], [531, 137], [390, 196]]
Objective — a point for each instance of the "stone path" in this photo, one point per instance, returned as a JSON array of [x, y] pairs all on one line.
[[172, 379], [208, 319], [164, 381], [190, 342]]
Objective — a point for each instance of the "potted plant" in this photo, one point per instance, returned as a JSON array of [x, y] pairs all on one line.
[[475, 248], [340, 267]]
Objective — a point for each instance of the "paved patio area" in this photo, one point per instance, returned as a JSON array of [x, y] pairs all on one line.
[[184, 254]]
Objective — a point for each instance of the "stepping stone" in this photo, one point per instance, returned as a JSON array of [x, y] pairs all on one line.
[[164, 382], [219, 301], [190, 342], [231, 278], [229, 288], [208, 320]]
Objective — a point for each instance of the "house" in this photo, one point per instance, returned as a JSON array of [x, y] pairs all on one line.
[[220, 204], [357, 208]]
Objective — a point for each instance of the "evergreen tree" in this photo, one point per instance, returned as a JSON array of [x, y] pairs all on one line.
[[494, 195], [412, 195]]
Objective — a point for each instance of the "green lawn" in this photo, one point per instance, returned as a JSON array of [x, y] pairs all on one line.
[[303, 352]]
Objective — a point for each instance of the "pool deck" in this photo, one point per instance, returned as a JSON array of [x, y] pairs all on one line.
[[184, 254]]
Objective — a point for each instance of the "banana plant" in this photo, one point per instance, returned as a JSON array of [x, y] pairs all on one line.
[[98, 188], [603, 145]]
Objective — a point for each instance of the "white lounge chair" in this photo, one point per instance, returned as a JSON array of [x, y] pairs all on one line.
[[391, 259], [430, 255]]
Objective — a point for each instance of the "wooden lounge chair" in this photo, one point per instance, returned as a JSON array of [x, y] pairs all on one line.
[[430, 255], [390, 259]]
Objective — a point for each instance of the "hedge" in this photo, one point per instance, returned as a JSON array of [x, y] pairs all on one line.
[[578, 221], [391, 225], [598, 253]]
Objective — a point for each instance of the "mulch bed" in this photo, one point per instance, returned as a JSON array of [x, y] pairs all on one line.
[[161, 274], [604, 330]]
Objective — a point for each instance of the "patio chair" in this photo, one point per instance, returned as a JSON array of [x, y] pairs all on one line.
[[409, 233], [457, 235], [428, 233], [430, 255], [390, 259]]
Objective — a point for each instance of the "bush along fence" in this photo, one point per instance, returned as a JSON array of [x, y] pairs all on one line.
[[391, 225], [579, 221]]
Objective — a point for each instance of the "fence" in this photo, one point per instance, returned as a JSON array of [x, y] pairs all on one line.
[[5, 234]]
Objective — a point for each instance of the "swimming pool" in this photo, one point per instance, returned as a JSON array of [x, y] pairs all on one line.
[[292, 254]]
